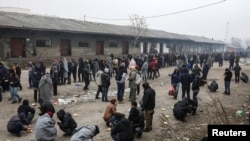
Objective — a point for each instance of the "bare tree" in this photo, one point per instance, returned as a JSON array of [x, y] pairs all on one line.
[[138, 28]]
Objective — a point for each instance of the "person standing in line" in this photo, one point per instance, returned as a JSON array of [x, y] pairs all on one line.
[[14, 84], [98, 81], [37, 77], [148, 105], [105, 84], [195, 89], [175, 79], [144, 71], [120, 81], [74, 69], [132, 84], [80, 70], [54, 75], [237, 70], [18, 71], [185, 80], [31, 69], [228, 76], [86, 74]]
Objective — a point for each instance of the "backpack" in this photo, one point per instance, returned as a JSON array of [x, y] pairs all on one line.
[[138, 79]]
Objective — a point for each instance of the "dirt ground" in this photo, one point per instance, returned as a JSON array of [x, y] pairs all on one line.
[[166, 128]]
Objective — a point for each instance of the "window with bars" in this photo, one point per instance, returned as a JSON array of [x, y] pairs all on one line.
[[43, 43]]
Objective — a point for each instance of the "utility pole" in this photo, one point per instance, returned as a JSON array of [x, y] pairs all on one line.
[[226, 36]]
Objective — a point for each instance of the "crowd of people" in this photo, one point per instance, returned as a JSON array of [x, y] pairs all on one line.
[[190, 73]]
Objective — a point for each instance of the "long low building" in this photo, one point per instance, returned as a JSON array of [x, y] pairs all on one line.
[[26, 36]]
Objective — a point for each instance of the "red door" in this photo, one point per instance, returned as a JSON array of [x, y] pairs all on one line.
[[17, 47], [99, 47], [65, 48]]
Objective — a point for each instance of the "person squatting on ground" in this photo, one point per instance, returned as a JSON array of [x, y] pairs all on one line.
[[213, 86], [148, 105], [85, 133], [227, 80], [122, 131], [67, 124], [17, 124], [111, 116], [182, 107], [105, 84], [175, 80], [136, 118], [120, 81], [27, 110], [46, 106], [45, 129], [244, 77], [98, 81], [132, 84]]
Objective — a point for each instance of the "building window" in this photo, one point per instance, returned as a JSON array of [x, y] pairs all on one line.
[[43, 43], [113, 43], [83, 44], [137, 45]]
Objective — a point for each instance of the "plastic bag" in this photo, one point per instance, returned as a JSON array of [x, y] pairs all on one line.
[[171, 91]]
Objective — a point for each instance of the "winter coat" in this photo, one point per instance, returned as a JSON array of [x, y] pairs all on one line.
[[132, 79], [148, 99], [98, 78], [45, 128], [228, 76], [136, 117], [46, 106], [186, 79], [16, 120], [175, 78], [144, 69], [196, 83], [25, 108], [181, 108], [124, 129], [45, 87], [105, 80], [84, 133], [67, 122]]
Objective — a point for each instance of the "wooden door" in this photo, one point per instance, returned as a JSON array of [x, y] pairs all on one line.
[[99, 47], [125, 48], [17, 47], [65, 48]]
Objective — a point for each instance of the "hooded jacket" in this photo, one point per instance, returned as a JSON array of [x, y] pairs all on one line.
[[124, 129], [67, 122], [45, 128], [25, 108], [84, 133], [20, 118], [45, 87]]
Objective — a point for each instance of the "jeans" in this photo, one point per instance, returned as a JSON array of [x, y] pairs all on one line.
[[115, 137], [186, 90], [176, 88], [105, 93], [14, 93], [120, 90], [30, 116], [227, 87]]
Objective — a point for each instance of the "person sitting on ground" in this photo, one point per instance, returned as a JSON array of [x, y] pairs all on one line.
[[122, 131], [25, 108], [111, 115], [213, 86], [136, 118], [45, 129], [67, 124], [85, 133], [182, 107], [17, 123]]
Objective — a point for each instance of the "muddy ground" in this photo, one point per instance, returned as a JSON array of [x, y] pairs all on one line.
[[214, 108]]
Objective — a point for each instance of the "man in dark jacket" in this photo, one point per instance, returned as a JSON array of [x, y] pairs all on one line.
[[17, 123], [105, 84], [25, 108], [137, 119], [237, 70], [227, 80], [46, 106], [148, 105], [185, 80], [122, 131], [195, 89], [67, 124]]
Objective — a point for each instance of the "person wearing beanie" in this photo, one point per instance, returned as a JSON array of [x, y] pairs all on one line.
[[67, 123], [85, 133], [45, 129], [25, 108], [17, 123]]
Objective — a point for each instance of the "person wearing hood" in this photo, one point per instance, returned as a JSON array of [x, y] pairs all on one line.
[[65, 68], [122, 131], [85, 133], [45, 88], [45, 129], [181, 108], [17, 124], [25, 108], [67, 124], [46, 106]]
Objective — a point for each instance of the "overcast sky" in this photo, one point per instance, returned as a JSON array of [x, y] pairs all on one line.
[[221, 21]]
